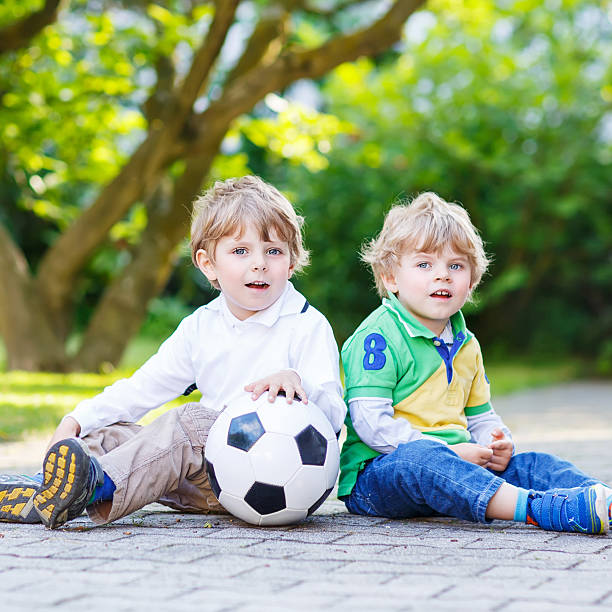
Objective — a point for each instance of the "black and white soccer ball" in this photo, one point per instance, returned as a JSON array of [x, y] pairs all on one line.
[[271, 463]]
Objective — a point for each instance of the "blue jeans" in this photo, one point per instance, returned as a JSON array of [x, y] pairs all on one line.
[[426, 478]]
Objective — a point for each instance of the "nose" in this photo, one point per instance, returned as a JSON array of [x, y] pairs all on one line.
[[259, 263], [442, 273]]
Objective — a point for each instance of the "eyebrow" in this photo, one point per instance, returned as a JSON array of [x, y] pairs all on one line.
[[244, 241], [460, 256]]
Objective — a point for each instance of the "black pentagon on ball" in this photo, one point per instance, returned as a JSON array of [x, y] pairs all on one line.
[[265, 498], [244, 431], [212, 479], [312, 446], [319, 501]]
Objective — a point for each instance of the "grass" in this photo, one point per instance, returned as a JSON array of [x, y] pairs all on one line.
[[33, 403]]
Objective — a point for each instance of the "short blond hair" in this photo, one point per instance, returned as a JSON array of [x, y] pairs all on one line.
[[428, 224], [229, 206]]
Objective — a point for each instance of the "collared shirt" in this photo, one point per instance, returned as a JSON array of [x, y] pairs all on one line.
[[374, 422], [423, 386], [222, 354]]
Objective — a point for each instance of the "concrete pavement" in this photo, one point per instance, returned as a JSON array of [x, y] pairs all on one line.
[[161, 560]]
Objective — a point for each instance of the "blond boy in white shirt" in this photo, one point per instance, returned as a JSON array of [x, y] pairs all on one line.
[[260, 335]]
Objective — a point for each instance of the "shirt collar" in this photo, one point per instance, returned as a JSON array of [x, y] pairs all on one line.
[[414, 327], [447, 334], [290, 301]]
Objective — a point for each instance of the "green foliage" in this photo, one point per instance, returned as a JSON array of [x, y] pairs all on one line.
[[165, 313], [295, 132], [506, 110]]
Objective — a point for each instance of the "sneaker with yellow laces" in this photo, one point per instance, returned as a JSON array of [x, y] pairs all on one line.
[[70, 478], [16, 498]]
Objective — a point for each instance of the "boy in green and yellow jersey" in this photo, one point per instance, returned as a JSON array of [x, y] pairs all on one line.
[[422, 436]]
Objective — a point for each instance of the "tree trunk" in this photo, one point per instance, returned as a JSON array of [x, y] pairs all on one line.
[[124, 304], [28, 337]]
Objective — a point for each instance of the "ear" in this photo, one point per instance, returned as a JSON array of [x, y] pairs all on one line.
[[388, 279], [290, 273], [471, 291], [206, 265]]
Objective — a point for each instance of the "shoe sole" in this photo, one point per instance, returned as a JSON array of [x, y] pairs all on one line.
[[17, 503], [66, 468], [601, 508]]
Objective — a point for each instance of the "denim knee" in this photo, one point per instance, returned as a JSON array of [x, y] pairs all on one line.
[[420, 450]]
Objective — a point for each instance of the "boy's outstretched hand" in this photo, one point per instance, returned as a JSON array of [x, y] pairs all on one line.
[[285, 380], [502, 451]]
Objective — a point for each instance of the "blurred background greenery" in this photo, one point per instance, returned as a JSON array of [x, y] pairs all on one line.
[[502, 105]]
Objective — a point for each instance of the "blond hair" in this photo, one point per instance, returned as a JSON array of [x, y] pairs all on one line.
[[229, 206], [427, 224]]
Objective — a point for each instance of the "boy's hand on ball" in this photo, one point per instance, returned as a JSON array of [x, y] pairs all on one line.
[[286, 381]]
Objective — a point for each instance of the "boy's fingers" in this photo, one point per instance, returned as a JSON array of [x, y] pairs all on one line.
[[300, 391], [257, 388], [485, 456], [273, 392], [289, 393]]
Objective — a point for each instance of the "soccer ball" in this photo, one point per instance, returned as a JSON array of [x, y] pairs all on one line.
[[271, 463]]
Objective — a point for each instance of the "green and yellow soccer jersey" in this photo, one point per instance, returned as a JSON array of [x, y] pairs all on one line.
[[392, 356]]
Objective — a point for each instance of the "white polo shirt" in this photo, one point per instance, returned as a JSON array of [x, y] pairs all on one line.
[[221, 354]]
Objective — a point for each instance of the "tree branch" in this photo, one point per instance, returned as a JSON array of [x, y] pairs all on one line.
[[196, 79], [270, 28], [157, 102], [19, 34], [240, 96], [329, 12]]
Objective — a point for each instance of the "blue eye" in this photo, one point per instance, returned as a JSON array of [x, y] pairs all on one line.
[[274, 251], [455, 266], [240, 251], [423, 265]]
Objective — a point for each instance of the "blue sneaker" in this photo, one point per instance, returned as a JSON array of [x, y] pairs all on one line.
[[581, 510], [608, 492], [17, 498], [70, 478]]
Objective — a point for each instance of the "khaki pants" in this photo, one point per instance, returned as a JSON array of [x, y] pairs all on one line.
[[161, 462]]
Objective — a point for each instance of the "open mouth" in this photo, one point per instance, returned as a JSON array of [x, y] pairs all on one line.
[[441, 293], [257, 285]]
